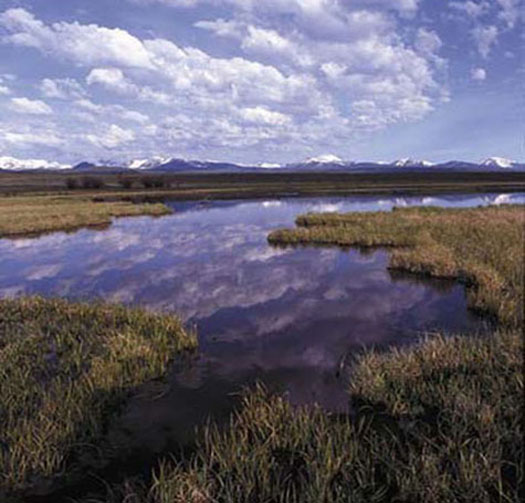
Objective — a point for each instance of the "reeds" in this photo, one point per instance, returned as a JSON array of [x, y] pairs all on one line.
[[65, 369], [35, 214]]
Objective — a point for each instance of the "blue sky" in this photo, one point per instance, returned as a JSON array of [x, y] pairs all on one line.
[[261, 81]]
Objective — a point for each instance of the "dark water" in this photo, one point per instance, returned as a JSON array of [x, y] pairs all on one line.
[[292, 318]]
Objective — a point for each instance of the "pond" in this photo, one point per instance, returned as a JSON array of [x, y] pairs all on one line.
[[291, 318]]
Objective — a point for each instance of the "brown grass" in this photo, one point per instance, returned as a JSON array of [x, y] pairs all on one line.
[[35, 214], [483, 247]]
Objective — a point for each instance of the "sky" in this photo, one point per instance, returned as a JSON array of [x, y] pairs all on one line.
[[262, 81]]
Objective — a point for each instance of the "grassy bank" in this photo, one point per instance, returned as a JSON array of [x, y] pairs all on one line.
[[482, 247], [65, 368], [441, 422], [35, 214]]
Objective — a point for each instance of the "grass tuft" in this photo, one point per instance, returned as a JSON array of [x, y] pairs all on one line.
[[65, 369]]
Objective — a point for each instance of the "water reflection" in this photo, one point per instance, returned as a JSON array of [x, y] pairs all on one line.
[[286, 316]]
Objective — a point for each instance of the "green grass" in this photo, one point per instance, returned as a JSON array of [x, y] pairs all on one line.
[[482, 247], [36, 214], [441, 422], [65, 369]]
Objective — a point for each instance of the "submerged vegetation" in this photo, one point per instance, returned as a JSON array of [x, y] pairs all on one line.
[[35, 214], [65, 368], [482, 247]]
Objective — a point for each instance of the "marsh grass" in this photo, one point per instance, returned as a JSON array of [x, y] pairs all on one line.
[[440, 422], [65, 369], [35, 214], [482, 247]]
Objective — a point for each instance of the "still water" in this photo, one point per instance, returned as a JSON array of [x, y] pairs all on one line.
[[291, 318]]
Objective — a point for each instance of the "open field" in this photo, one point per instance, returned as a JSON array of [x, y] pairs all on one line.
[[482, 247], [20, 215], [65, 370], [249, 185]]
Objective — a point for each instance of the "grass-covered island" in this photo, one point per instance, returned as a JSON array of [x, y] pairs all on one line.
[[439, 422], [39, 213]]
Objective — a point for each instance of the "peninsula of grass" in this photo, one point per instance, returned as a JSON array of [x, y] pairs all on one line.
[[482, 247], [36, 214], [65, 371]]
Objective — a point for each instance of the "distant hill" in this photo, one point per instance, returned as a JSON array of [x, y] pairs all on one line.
[[323, 163]]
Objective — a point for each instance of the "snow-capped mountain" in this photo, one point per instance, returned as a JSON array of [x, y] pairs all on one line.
[[498, 162], [14, 164], [147, 163], [412, 163], [269, 165], [325, 159]]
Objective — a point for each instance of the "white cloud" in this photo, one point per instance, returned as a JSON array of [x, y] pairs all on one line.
[[261, 115], [114, 137], [478, 74], [294, 83], [4, 90], [427, 42], [485, 37], [510, 11], [27, 106], [82, 44], [112, 78], [64, 89], [472, 9], [24, 139]]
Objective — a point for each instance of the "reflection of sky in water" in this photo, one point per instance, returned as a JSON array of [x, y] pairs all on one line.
[[286, 316]]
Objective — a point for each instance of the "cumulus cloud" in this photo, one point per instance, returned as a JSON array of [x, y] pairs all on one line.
[[478, 74], [485, 37], [25, 139], [472, 9], [291, 83], [81, 44], [27, 106], [510, 11], [64, 89], [114, 137]]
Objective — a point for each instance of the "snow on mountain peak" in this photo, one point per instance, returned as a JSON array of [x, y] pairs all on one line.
[[148, 163], [14, 164], [498, 162], [408, 162], [269, 165], [325, 159]]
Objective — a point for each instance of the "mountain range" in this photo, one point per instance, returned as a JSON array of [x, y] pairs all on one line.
[[327, 162]]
